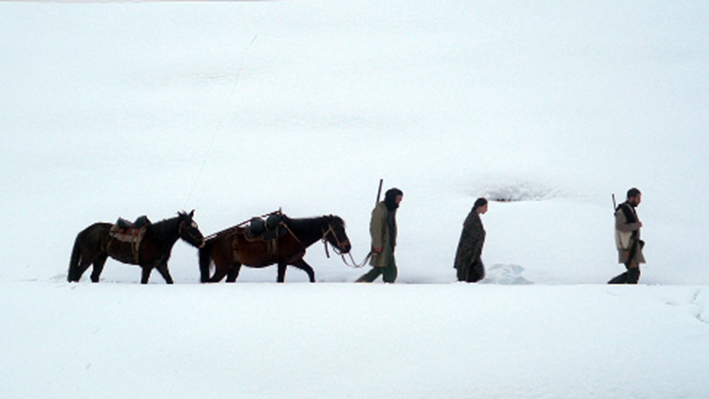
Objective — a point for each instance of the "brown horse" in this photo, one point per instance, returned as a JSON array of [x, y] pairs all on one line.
[[232, 248], [94, 245]]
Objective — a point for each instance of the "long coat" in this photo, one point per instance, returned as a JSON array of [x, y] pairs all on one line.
[[383, 235], [468, 260], [628, 234]]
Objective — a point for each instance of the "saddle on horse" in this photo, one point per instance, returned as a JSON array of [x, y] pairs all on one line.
[[126, 238], [268, 229]]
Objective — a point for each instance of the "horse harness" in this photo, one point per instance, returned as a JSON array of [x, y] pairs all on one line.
[[131, 236], [271, 227], [268, 229], [353, 263], [340, 244], [182, 225]]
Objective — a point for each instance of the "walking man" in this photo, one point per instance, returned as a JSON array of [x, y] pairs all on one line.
[[468, 261], [627, 238], [383, 230]]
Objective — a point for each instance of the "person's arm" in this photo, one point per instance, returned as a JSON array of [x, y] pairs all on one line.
[[376, 228], [621, 222]]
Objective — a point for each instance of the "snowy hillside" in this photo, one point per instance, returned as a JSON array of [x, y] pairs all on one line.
[[237, 109]]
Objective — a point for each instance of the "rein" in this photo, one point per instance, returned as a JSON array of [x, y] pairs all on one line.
[[329, 230], [354, 263]]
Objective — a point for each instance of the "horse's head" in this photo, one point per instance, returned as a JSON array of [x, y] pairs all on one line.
[[189, 231], [336, 235]]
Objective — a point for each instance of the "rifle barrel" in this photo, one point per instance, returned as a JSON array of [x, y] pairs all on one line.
[[379, 192]]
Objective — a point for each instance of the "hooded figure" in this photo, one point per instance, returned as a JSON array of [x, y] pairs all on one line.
[[383, 229], [468, 262]]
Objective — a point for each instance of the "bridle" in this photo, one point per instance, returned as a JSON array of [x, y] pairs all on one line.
[[338, 251], [340, 244], [189, 233]]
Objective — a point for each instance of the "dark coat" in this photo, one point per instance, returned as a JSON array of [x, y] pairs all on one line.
[[467, 258]]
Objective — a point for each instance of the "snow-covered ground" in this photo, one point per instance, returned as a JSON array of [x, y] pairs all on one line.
[[352, 341], [237, 109]]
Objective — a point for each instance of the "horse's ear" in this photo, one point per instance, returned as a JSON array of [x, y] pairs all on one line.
[[192, 214]]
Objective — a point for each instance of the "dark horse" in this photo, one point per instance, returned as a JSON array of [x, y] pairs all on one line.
[[231, 248], [94, 245]]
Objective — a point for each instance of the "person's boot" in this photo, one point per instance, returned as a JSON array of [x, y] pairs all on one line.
[[633, 275], [619, 279]]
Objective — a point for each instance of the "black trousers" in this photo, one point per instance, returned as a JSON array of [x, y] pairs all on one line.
[[630, 277]]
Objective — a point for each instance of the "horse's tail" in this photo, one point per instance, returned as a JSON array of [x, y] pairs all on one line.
[[205, 260], [74, 261]]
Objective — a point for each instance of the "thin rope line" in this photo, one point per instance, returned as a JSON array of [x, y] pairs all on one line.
[[221, 121]]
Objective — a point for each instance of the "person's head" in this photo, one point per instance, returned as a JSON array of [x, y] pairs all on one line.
[[634, 196], [480, 206], [392, 198]]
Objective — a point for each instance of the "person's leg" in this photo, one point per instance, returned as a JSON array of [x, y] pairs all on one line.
[[619, 279], [629, 277], [633, 272], [461, 273], [390, 272], [476, 272], [370, 275]]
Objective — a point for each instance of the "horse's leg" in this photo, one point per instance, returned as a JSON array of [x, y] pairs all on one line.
[[165, 272], [282, 272], [77, 270], [145, 276], [302, 265], [99, 263], [83, 266], [233, 272], [223, 261], [82, 258], [219, 273], [74, 273]]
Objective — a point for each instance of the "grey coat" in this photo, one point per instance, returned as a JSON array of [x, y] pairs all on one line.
[[383, 230]]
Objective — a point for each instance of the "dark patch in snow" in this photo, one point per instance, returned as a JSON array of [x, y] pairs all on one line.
[[515, 190]]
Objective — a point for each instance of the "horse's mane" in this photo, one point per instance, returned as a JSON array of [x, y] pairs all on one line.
[[302, 223], [165, 227]]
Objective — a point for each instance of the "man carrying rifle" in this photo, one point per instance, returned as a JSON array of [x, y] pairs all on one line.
[[383, 230], [628, 242]]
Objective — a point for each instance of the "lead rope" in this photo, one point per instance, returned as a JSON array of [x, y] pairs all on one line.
[[354, 263], [221, 120]]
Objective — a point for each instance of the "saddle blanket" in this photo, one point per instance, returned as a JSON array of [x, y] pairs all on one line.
[[126, 237], [129, 235]]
